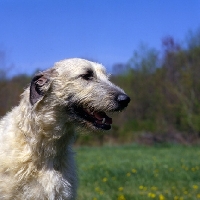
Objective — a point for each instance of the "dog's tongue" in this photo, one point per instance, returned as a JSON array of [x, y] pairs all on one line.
[[102, 115]]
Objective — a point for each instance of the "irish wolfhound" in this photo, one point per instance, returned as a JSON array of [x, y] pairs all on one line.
[[36, 160]]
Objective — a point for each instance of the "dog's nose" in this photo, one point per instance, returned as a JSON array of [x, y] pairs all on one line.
[[123, 100]]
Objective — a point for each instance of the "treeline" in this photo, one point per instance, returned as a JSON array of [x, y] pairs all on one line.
[[164, 87], [165, 92], [10, 91]]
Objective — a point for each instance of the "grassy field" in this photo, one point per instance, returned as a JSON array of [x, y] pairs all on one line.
[[139, 173]]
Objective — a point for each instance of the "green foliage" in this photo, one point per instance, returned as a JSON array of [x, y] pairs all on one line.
[[137, 172], [164, 90], [10, 90]]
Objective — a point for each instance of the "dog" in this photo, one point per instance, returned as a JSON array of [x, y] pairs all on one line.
[[36, 137]]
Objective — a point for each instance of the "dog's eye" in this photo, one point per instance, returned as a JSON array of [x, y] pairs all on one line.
[[87, 76]]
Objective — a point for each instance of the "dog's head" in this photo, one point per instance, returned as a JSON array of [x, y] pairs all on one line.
[[80, 91]]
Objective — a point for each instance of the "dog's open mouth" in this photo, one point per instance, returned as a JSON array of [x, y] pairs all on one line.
[[99, 119]]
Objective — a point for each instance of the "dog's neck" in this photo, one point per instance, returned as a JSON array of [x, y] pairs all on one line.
[[50, 139]]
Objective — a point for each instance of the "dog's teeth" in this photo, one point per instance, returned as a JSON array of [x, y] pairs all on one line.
[[89, 111], [103, 120], [92, 111]]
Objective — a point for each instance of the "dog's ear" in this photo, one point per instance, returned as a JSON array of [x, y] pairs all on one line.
[[39, 86]]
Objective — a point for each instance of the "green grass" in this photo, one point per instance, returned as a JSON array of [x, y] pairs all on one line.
[[139, 173]]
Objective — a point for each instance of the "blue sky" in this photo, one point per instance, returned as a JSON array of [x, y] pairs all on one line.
[[36, 33]]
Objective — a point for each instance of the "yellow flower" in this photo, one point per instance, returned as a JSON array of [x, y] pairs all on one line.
[[134, 171], [151, 195], [166, 191], [121, 197], [176, 198], [101, 192], [173, 187], [185, 192], [141, 187], [120, 189], [195, 187], [154, 188], [97, 189], [198, 196], [161, 197], [94, 198], [193, 169], [128, 174], [104, 179]]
